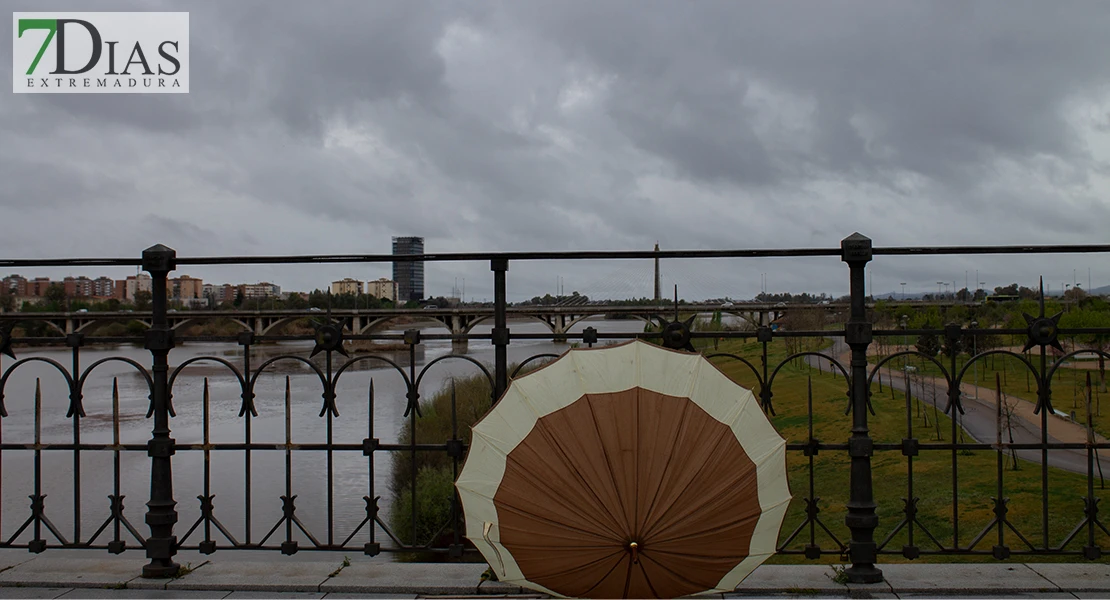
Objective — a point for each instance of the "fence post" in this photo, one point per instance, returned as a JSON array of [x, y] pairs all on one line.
[[500, 329], [861, 518], [161, 513]]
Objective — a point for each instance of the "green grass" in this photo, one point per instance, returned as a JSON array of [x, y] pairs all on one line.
[[932, 470]]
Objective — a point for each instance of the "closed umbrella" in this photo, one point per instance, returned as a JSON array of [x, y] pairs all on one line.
[[625, 471]]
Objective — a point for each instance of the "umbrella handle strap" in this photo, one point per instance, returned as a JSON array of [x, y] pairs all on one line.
[[485, 535]]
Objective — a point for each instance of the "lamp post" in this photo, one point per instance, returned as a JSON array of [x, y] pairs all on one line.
[[975, 366], [903, 291], [905, 340]]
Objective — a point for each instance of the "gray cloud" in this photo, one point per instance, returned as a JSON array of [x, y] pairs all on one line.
[[328, 127]]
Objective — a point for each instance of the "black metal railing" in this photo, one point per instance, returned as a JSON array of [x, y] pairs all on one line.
[[818, 464]]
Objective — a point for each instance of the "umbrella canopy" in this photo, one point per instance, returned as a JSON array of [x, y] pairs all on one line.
[[625, 471]]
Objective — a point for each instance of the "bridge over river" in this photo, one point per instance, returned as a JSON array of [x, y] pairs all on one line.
[[458, 320]]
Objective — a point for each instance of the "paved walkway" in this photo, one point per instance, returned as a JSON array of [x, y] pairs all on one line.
[[60, 576], [980, 420]]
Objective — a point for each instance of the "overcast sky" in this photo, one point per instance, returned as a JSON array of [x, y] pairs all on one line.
[[328, 127]]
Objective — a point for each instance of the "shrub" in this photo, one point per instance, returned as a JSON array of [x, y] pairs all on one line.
[[434, 488], [434, 469]]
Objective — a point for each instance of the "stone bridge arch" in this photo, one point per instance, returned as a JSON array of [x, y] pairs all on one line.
[[376, 324], [266, 328], [53, 324], [84, 325], [186, 322]]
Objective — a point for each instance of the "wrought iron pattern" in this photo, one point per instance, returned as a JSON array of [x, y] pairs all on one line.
[[859, 539]]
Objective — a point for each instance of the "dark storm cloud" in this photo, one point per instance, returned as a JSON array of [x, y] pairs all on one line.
[[329, 126]]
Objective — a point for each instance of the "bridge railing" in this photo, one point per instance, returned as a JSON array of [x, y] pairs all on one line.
[[929, 470]]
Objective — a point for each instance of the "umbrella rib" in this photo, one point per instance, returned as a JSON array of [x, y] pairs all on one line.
[[600, 579], [559, 499], [557, 524], [677, 575], [636, 459], [647, 580], [608, 462], [705, 504], [667, 467], [578, 476], [627, 579], [701, 468], [692, 534]]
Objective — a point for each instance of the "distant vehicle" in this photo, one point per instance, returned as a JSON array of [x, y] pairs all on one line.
[[172, 310], [82, 310], [910, 369], [726, 304], [314, 309], [427, 306], [780, 304]]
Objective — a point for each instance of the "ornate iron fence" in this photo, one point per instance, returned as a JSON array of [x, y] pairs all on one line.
[[861, 545]]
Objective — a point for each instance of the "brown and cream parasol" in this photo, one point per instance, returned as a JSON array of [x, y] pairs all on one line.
[[626, 471]]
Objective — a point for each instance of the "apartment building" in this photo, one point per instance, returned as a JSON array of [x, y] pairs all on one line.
[[346, 286], [383, 288]]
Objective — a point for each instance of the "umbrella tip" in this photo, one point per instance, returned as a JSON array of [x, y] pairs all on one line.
[[634, 549]]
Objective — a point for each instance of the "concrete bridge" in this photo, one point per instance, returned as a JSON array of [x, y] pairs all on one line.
[[459, 321]]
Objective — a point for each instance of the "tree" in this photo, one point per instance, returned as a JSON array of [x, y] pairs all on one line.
[[1091, 319], [7, 301], [296, 301], [56, 296], [1075, 293], [143, 299], [238, 298]]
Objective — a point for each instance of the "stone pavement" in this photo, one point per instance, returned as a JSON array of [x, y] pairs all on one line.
[[69, 576]]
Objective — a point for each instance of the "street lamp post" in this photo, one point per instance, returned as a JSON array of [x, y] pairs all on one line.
[[905, 340], [903, 291], [974, 351]]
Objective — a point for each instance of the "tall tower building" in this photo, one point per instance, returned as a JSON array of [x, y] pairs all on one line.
[[409, 275]]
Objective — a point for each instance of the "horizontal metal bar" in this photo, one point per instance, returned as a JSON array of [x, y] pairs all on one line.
[[574, 255]]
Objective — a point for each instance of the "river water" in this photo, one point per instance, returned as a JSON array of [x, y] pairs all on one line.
[[350, 479]]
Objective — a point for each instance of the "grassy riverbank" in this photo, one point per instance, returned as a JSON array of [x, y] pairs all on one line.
[[933, 469]]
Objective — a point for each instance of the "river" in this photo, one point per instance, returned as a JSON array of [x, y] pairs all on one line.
[[309, 469]]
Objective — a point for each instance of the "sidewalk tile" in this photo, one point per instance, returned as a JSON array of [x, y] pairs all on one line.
[[275, 595], [963, 578], [801, 579], [350, 596], [1049, 595], [270, 576], [439, 579], [94, 593], [37, 592], [73, 572], [1076, 576]]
